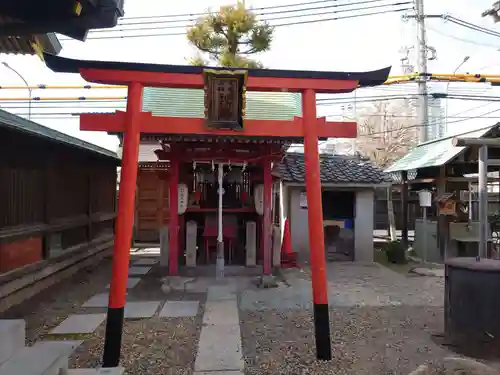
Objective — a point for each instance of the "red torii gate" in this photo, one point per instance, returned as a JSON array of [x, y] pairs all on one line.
[[133, 122]]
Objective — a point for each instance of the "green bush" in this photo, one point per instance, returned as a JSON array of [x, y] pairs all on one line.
[[395, 252], [494, 220]]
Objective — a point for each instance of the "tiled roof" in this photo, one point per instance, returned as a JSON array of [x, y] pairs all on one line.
[[335, 169], [11, 121], [24, 44]]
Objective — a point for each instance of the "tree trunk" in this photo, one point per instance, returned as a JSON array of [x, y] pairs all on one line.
[[390, 215]]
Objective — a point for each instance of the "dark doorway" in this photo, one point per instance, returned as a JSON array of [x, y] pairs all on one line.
[[338, 215]]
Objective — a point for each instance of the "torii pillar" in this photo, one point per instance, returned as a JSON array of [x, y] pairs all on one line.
[[123, 227], [315, 222]]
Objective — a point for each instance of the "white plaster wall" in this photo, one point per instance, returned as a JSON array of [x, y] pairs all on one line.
[[363, 226], [298, 224]]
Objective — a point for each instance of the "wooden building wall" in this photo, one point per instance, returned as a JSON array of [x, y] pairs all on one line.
[[152, 206], [53, 197]]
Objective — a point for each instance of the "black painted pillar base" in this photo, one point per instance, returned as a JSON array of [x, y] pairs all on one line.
[[113, 337], [322, 332]]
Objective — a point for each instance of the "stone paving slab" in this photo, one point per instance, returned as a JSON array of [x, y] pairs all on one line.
[[219, 349], [227, 372], [221, 292], [148, 251], [141, 309], [79, 323], [99, 371], [145, 262], [12, 337], [131, 282], [43, 358], [223, 312], [98, 300], [179, 309], [136, 271]]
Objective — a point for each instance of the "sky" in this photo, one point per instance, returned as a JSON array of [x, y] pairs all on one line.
[[353, 44]]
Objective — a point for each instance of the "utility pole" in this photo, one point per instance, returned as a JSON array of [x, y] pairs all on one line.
[[423, 99]]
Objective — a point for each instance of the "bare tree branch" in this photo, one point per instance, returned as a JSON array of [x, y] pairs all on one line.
[[382, 136]]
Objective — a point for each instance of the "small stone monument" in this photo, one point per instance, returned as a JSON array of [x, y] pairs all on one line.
[[251, 243], [164, 247], [191, 237]]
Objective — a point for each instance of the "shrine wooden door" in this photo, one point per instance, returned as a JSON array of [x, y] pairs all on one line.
[[152, 204]]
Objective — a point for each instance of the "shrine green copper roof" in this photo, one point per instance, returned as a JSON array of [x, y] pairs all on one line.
[[190, 103]]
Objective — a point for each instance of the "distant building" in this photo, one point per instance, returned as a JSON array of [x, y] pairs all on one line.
[[436, 128], [437, 120]]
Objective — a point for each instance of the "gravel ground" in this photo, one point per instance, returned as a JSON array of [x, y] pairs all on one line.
[[366, 341], [46, 310], [151, 346]]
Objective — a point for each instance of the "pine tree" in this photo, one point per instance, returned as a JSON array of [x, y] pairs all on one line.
[[228, 37]]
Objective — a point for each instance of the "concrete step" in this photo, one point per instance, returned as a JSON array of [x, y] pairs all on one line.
[[12, 337], [43, 358], [99, 371]]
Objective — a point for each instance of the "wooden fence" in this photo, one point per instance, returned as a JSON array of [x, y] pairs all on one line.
[[53, 197]]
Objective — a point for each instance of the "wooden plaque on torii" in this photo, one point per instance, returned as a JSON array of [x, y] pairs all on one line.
[[225, 98]]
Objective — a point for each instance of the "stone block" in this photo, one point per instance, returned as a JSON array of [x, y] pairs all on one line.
[[138, 271], [80, 323], [98, 371], [277, 240], [251, 243], [12, 337], [145, 262], [191, 240], [225, 372], [179, 309], [43, 358], [221, 292], [164, 246], [141, 309], [223, 312], [131, 282], [219, 349], [98, 300]]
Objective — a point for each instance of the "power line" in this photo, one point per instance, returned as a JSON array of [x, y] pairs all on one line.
[[459, 22], [113, 107], [436, 118], [425, 125], [471, 26], [275, 25], [437, 121], [97, 99], [67, 116], [56, 99], [260, 14], [375, 98], [391, 84], [361, 116], [208, 12], [463, 40], [267, 19]]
